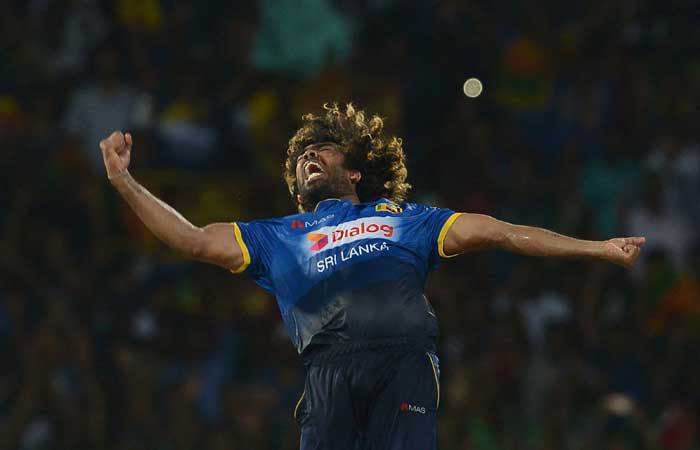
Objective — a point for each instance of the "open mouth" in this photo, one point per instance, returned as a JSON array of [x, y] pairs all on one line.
[[313, 170]]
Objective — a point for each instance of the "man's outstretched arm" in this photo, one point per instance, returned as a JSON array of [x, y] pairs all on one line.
[[215, 243], [472, 232]]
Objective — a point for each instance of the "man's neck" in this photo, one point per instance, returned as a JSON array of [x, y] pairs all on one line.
[[353, 198]]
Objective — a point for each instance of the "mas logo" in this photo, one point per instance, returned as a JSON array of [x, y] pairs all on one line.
[[407, 407], [297, 223], [388, 207]]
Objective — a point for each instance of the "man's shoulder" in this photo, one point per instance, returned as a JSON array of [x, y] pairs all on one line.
[[385, 207], [411, 208]]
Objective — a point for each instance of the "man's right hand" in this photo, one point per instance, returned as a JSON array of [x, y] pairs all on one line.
[[116, 152], [215, 243]]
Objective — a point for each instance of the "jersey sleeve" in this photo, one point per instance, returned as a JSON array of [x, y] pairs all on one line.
[[427, 228], [256, 240]]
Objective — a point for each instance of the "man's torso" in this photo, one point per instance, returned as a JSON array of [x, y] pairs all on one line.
[[346, 273]]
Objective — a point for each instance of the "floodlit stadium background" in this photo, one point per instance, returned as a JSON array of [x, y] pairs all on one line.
[[587, 125]]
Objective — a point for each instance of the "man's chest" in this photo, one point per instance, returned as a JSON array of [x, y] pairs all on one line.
[[316, 247]]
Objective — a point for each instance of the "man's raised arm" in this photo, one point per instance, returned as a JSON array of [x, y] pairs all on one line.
[[215, 243], [472, 232]]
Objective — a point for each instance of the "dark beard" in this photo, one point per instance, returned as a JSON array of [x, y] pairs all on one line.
[[333, 187]]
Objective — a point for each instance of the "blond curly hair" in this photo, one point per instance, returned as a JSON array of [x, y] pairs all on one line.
[[380, 159]]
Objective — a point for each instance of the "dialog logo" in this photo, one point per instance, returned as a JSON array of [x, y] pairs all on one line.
[[319, 240], [345, 233]]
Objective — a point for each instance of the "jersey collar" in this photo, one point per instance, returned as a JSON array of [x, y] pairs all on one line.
[[330, 203]]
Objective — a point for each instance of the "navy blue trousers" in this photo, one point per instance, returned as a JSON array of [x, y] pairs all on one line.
[[377, 399]]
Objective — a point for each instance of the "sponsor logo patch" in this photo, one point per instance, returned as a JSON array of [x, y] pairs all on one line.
[[299, 224], [319, 240], [329, 237], [350, 232], [407, 407], [388, 207], [361, 230]]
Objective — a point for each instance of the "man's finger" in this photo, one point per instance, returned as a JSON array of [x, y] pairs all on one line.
[[128, 139], [635, 240], [632, 253], [117, 139]]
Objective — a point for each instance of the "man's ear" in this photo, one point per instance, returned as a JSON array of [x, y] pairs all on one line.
[[355, 176]]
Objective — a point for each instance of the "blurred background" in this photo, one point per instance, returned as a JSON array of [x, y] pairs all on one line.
[[588, 125]]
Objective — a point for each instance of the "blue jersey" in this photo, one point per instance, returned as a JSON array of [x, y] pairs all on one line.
[[348, 272]]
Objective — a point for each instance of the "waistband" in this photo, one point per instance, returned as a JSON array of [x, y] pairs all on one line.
[[321, 353]]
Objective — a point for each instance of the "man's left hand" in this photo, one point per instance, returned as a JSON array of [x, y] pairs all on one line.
[[622, 251]]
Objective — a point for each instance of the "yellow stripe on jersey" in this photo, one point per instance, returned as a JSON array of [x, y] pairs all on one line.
[[437, 382], [244, 249], [296, 408], [443, 233]]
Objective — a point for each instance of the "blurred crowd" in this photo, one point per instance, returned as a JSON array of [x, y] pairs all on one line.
[[588, 125]]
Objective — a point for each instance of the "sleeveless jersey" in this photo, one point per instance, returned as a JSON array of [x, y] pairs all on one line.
[[348, 272]]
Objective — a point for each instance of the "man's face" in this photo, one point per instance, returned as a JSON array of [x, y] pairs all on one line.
[[321, 174]]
